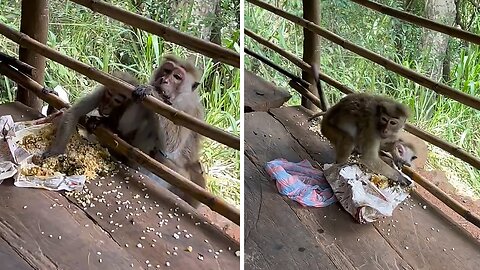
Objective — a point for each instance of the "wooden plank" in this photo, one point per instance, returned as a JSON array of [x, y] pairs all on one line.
[[21, 227], [25, 213], [347, 244], [274, 237], [116, 203], [402, 231], [19, 111], [295, 120], [10, 259], [412, 227], [131, 213], [260, 95]]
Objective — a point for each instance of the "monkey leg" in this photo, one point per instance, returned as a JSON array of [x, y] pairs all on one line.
[[50, 108], [343, 149], [195, 173], [190, 170], [340, 140]]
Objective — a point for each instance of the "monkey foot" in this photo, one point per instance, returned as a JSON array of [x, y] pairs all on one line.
[[141, 92], [46, 90]]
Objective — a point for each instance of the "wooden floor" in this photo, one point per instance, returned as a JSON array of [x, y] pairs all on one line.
[[47, 230], [280, 234]]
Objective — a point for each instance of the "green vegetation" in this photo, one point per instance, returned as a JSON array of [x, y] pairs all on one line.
[[110, 45], [398, 41]]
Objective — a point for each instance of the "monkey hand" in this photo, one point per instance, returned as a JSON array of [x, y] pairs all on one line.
[[92, 123], [172, 155], [403, 181], [48, 153], [141, 92]]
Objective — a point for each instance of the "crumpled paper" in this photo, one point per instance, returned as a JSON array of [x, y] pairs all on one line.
[[13, 158], [359, 196]]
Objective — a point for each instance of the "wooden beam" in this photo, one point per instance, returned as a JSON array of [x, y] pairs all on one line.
[[450, 148], [297, 61], [420, 79], [204, 47], [14, 62], [174, 115], [311, 48], [34, 22], [115, 143], [267, 61]]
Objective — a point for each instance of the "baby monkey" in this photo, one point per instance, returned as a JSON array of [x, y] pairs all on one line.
[[109, 103], [362, 121], [398, 154]]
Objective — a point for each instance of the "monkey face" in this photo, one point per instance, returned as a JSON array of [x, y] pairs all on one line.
[[403, 154], [169, 80], [172, 79], [109, 102], [390, 121], [388, 126]]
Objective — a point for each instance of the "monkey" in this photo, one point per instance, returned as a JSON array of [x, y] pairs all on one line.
[[176, 81], [109, 103], [398, 153], [362, 121]]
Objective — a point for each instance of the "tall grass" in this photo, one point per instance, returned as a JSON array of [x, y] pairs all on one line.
[[110, 45], [400, 42]]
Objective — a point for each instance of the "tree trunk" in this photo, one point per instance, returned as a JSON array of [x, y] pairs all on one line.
[[205, 12], [442, 11]]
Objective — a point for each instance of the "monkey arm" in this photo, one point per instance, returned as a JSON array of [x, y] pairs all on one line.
[[69, 121]]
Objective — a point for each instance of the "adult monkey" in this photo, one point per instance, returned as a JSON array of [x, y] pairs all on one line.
[[176, 81], [362, 121]]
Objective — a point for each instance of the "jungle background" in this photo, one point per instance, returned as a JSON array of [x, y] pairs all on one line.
[[110, 45], [445, 59]]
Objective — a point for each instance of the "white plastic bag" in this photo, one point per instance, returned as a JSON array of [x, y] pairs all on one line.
[[359, 196]]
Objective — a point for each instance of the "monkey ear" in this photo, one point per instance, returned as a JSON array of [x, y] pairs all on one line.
[[400, 149], [195, 85]]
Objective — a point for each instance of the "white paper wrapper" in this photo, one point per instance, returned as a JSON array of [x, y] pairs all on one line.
[[21, 157], [7, 169], [359, 196], [7, 166], [56, 182]]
